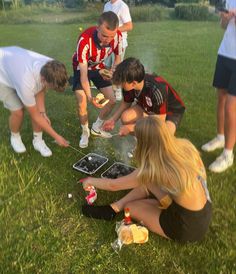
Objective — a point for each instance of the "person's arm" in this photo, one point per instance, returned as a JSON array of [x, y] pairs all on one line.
[[225, 18], [126, 182], [40, 102], [37, 118], [126, 27], [84, 80]]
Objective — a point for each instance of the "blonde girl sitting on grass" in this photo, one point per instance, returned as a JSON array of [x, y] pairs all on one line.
[[169, 192]]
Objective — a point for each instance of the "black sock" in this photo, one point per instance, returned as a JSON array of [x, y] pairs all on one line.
[[99, 212]]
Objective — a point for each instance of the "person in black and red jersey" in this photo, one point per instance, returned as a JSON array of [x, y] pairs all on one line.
[[144, 94], [94, 45]]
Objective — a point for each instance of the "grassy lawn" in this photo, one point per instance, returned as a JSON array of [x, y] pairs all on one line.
[[43, 231]]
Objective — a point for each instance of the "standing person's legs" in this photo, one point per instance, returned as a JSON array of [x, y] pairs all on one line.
[[13, 103], [81, 100], [225, 160], [81, 107], [220, 82]]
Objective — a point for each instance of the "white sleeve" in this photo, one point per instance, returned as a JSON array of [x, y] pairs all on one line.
[[125, 14]]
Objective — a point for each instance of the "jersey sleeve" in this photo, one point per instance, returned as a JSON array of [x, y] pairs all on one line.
[[159, 98], [82, 50]]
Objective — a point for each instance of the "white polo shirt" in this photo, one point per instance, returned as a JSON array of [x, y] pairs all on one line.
[[20, 70], [228, 44], [121, 9]]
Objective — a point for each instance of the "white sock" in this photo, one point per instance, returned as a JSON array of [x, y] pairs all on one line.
[[98, 122], [220, 137], [38, 135], [15, 134], [228, 152], [85, 128]]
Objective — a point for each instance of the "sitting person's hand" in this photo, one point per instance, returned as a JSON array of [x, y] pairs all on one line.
[[87, 184], [108, 125], [124, 130]]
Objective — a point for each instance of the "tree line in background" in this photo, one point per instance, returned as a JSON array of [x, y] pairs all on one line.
[[6, 4]]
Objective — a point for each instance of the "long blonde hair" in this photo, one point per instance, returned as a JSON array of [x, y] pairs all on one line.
[[171, 163]]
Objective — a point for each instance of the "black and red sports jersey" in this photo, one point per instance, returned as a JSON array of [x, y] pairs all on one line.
[[90, 52], [156, 97]]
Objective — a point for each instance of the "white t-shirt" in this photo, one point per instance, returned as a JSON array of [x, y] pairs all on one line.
[[121, 9], [20, 70], [228, 44]]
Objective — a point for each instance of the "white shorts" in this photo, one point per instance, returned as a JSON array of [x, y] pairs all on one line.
[[10, 98]]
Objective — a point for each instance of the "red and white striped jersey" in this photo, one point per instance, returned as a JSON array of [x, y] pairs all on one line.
[[90, 52]]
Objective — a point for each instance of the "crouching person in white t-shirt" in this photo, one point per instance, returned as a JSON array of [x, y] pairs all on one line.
[[25, 76]]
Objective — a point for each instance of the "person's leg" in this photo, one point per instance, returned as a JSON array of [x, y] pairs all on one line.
[[221, 100], [219, 140], [12, 102], [132, 114], [230, 122], [135, 194], [15, 120], [105, 111], [108, 212], [38, 142], [225, 160], [147, 212], [81, 101], [108, 94]]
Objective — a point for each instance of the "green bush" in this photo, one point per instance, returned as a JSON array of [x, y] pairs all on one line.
[[147, 13], [189, 1], [191, 11]]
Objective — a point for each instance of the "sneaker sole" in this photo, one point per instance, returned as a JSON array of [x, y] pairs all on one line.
[[219, 171], [211, 150], [41, 153], [95, 133], [83, 146]]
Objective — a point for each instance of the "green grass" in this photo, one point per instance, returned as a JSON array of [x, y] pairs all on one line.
[[42, 231]]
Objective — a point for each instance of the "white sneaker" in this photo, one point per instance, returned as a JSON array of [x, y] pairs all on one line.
[[118, 94], [40, 146], [17, 144], [213, 144], [99, 132], [221, 163], [84, 139]]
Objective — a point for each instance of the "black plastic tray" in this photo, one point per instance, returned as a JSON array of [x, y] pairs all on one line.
[[117, 170], [90, 163]]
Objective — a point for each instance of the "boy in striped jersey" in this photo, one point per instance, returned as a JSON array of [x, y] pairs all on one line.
[[94, 45], [144, 95]]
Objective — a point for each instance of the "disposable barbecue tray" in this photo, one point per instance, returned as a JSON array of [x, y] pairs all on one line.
[[117, 170], [90, 163]]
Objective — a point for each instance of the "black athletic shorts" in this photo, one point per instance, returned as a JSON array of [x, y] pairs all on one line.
[[175, 118], [225, 74], [94, 76], [184, 225]]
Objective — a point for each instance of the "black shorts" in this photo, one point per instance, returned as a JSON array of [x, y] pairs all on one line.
[[175, 118], [94, 76], [184, 225], [225, 74]]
